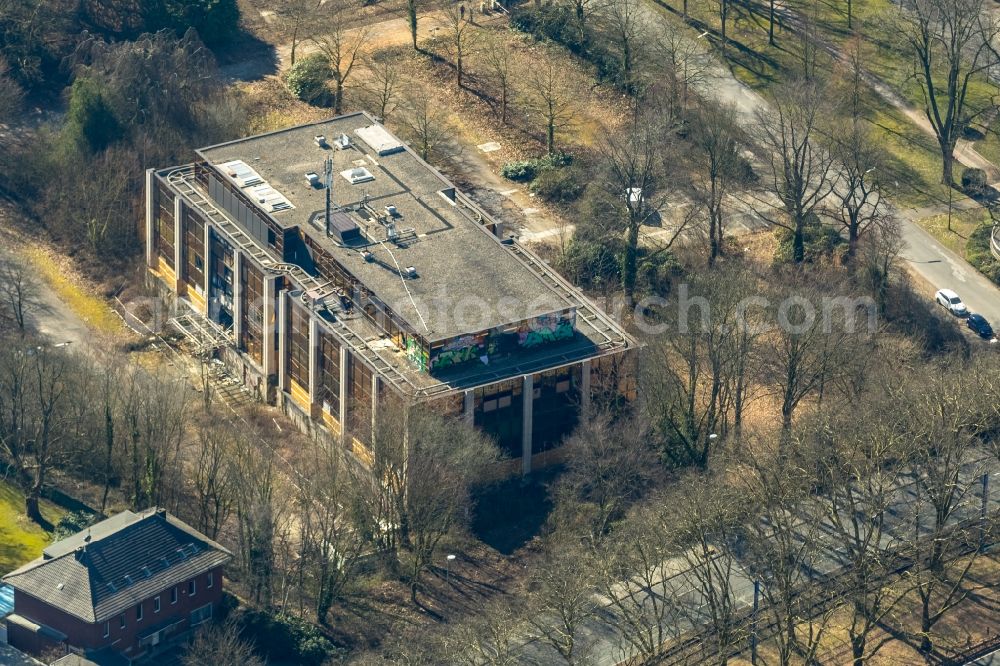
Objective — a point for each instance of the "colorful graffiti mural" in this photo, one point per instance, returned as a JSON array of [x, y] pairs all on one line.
[[484, 346], [417, 354], [460, 350], [547, 328]]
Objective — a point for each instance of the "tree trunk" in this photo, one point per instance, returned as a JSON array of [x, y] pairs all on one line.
[[925, 624], [850, 15], [798, 243], [411, 11], [770, 23], [550, 137], [947, 162], [503, 104], [630, 262]]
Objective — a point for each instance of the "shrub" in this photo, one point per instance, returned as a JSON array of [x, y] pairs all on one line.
[[977, 252], [819, 240], [72, 523], [289, 638], [973, 181], [558, 185], [308, 77], [522, 171]]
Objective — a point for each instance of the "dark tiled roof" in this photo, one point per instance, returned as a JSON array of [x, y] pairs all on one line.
[[96, 574]]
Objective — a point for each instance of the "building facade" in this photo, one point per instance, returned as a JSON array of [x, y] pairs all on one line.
[[341, 275], [127, 585]]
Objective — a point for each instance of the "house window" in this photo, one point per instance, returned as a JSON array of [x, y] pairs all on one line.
[[107, 628], [138, 613], [121, 620], [156, 604], [210, 581], [173, 595], [192, 588], [200, 615]]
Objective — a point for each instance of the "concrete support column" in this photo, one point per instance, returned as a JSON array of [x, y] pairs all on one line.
[[345, 358], [283, 306], [151, 215], [267, 327], [313, 359], [469, 409], [206, 264], [178, 242], [374, 407], [585, 387], [237, 295], [528, 403]]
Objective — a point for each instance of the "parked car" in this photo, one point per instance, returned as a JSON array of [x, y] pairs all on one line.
[[951, 302], [979, 325]]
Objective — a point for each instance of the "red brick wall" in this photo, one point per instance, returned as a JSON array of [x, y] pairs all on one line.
[[91, 636]]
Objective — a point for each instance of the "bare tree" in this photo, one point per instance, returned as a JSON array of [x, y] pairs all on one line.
[[802, 171], [810, 346], [340, 43], [637, 185], [488, 638], [551, 100], [220, 645], [636, 567], [300, 17], [860, 461], [212, 476], [460, 35], [680, 65], [426, 126], [562, 600], [382, 86], [608, 468], [18, 293], [952, 45], [943, 413], [705, 519], [718, 144], [260, 516], [624, 23], [44, 414], [425, 466], [861, 205], [330, 545], [698, 372], [783, 548], [499, 60]]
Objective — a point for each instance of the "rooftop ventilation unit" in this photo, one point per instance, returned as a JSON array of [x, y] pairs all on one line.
[[312, 178], [320, 141], [411, 272], [380, 140], [269, 198], [368, 256], [391, 211], [242, 174], [357, 175], [343, 142]]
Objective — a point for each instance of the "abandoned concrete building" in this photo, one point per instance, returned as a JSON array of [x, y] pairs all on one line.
[[339, 274]]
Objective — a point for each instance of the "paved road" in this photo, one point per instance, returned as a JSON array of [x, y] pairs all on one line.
[[48, 314], [942, 268]]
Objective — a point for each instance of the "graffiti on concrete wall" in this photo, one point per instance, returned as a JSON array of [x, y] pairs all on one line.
[[417, 354], [547, 328], [460, 350]]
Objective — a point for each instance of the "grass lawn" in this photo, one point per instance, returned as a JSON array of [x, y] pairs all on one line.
[[963, 223], [20, 539]]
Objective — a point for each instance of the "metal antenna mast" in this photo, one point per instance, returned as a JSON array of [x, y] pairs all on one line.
[[328, 182]]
